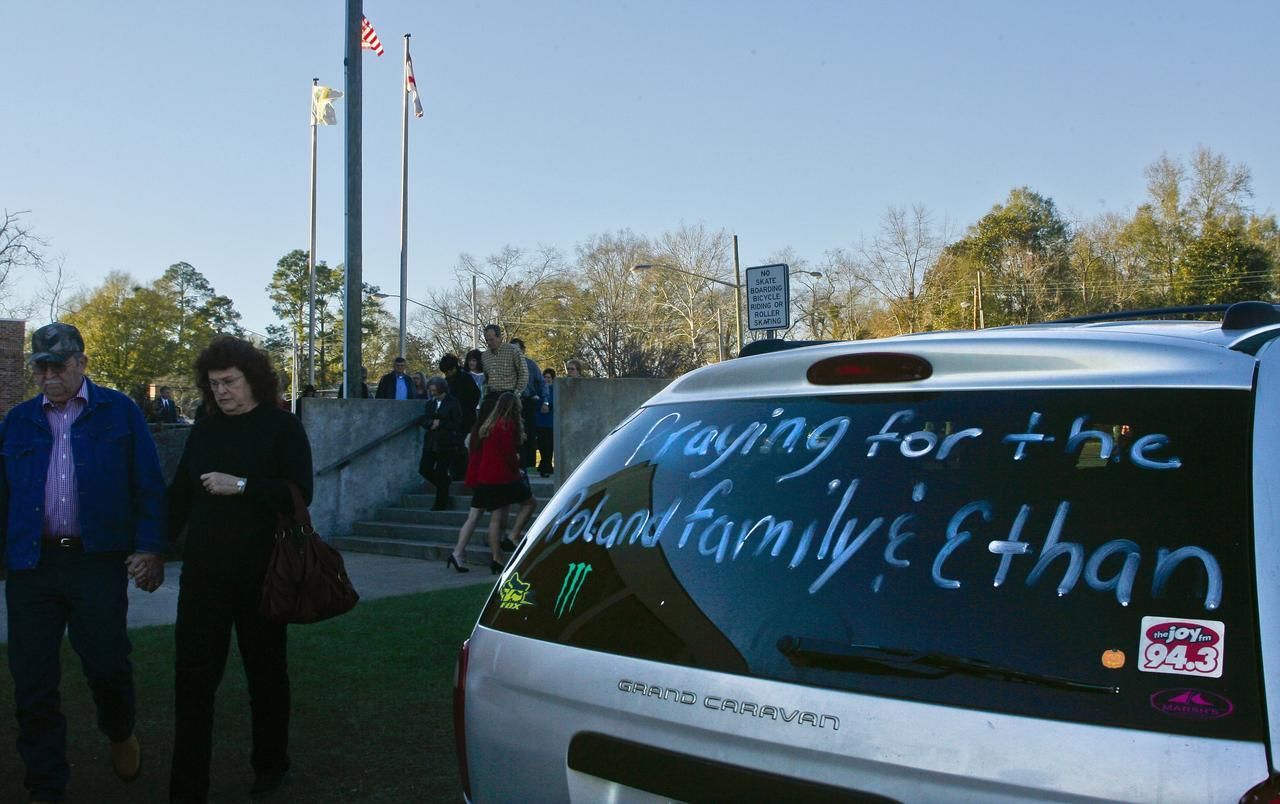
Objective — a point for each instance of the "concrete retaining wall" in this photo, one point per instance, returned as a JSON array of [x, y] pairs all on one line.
[[587, 409], [374, 479]]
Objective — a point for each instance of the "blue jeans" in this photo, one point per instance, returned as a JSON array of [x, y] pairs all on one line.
[[87, 595]]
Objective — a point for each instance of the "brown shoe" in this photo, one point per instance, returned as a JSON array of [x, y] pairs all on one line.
[[126, 758]]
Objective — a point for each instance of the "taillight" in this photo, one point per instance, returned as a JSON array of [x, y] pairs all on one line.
[[869, 367], [460, 716], [1265, 792]]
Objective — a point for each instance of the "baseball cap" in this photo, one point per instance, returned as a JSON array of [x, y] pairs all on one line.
[[54, 343]]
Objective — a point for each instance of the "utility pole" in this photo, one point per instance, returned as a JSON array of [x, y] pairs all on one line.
[[352, 355], [737, 292], [982, 321]]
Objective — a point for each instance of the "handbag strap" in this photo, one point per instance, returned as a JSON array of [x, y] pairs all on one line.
[[300, 516]]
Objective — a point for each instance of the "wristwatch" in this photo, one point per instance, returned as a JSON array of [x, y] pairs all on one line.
[[240, 485]]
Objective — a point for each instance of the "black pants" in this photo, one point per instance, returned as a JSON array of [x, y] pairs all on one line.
[[207, 610], [85, 594], [546, 443], [434, 468], [528, 408]]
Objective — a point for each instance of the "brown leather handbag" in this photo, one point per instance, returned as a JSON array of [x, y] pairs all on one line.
[[306, 579]]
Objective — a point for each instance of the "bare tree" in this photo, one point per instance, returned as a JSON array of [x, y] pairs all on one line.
[[894, 264], [56, 281], [686, 293], [20, 250]]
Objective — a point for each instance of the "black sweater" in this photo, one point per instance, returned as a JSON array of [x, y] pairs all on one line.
[[230, 537]]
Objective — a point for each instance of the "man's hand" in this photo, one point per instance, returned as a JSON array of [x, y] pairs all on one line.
[[220, 483], [146, 570], [546, 408]]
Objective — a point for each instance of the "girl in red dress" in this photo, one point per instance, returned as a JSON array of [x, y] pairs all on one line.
[[496, 480]]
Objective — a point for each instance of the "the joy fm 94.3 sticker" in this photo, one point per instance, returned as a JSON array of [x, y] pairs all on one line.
[[1181, 647]]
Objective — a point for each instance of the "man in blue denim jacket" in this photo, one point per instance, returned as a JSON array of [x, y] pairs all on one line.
[[81, 512]]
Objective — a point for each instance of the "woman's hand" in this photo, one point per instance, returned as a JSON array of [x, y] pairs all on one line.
[[220, 483]]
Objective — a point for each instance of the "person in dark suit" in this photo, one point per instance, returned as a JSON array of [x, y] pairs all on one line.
[[166, 409], [396, 384], [443, 422]]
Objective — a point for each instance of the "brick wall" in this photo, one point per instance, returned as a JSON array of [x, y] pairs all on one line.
[[13, 374]]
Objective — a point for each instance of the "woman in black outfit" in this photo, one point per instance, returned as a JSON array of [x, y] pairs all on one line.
[[231, 482], [443, 441]]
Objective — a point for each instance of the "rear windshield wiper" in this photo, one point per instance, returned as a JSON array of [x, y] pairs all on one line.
[[807, 652]]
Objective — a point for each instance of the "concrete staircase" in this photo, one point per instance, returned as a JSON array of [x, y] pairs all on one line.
[[412, 530]]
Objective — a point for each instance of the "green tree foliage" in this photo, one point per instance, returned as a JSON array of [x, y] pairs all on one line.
[[1023, 249], [137, 335], [127, 330], [200, 313], [1222, 265], [289, 292]]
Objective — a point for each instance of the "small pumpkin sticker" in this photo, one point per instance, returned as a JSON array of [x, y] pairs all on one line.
[[1113, 659]]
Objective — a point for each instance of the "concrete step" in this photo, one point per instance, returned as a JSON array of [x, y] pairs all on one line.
[[413, 530], [409, 531], [477, 555], [461, 498]]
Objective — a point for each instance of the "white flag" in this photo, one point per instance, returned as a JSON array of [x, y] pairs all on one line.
[[411, 86], [322, 111]]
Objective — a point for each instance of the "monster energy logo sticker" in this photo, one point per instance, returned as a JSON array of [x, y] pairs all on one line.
[[574, 578]]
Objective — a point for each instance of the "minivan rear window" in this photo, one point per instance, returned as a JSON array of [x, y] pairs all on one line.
[[1081, 555]]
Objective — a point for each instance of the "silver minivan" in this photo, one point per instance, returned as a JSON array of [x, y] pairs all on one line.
[[998, 565]]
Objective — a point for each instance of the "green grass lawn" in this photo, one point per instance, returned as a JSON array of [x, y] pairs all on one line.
[[372, 710]]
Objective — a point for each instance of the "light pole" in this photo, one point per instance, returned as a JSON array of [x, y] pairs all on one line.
[[737, 289], [813, 299]]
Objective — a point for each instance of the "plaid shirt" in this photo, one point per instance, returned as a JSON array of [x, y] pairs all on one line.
[[506, 369]]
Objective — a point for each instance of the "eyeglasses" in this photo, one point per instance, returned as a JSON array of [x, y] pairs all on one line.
[[42, 367], [214, 385]]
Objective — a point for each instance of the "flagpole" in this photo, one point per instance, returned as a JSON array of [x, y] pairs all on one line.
[[404, 196], [311, 252]]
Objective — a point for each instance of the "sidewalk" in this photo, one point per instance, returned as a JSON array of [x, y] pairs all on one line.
[[374, 576]]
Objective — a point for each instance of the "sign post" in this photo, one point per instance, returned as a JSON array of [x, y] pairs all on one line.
[[768, 298]]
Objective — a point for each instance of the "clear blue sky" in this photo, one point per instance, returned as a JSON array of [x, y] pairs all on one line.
[[141, 134]]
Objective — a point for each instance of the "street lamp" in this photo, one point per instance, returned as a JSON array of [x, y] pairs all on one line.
[[737, 289], [431, 307]]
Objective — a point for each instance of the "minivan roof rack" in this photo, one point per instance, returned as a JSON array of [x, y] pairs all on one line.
[[1153, 312], [1237, 316]]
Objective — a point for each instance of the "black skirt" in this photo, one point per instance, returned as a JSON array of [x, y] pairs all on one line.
[[491, 496]]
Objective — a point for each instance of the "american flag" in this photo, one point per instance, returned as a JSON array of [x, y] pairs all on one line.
[[411, 86], [369, 37]]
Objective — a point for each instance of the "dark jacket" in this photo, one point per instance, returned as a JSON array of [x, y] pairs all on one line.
[[118, 475], [166, 410], [447, 436], [463, 388], [387, 386]]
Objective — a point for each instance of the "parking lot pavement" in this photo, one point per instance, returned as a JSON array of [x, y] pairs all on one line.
[[374, 576]]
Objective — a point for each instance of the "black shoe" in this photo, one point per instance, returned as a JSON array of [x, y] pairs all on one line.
[[268, 782], [507, 545], [453, 562], [440, 506], [495, 567]]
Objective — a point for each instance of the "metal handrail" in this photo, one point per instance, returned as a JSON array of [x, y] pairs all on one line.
[[358, 451]]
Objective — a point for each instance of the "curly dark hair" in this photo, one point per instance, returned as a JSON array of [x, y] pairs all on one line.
[[228, 351]]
